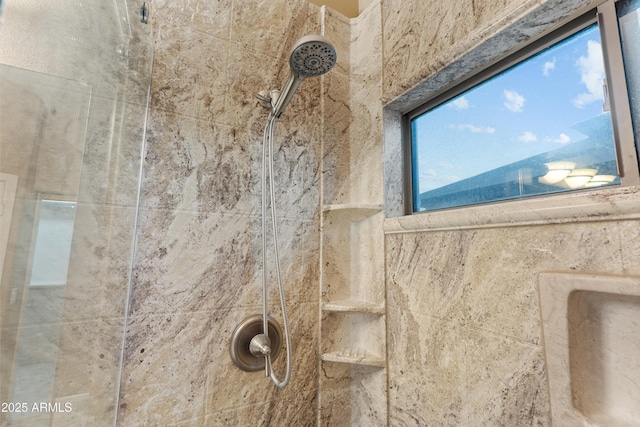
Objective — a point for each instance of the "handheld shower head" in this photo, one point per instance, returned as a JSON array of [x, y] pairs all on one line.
[[312, 55]]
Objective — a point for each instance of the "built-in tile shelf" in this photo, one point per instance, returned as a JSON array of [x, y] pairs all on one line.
[[354, 357], [352, 212], [349, 306]]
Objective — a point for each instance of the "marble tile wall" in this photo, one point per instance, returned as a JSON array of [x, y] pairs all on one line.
[[428, 45], [353, 127], [464, 317], [198, 270], [464, 331]]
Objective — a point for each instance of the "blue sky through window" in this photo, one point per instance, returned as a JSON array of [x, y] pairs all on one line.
[[525, 111]]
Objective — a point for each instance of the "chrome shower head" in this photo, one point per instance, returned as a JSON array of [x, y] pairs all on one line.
[[312, 55]]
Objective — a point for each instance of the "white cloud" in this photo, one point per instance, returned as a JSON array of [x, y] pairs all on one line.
[[528, 137], [548, 66], [460, 103], [592, 74], [513, 101], [562, 139], [477, 129]]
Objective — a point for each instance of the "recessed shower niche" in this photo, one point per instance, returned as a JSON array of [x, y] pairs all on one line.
[[591, 337], [603, 348]]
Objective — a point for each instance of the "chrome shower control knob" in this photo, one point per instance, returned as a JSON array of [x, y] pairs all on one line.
[[260, 345], [249, 337]]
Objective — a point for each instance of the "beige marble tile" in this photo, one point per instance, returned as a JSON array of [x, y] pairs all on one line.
[[337, 114], [426, 369], [212, 17], [231, 388], [352, 395], [489, 277], [502, 266], [194, 263], [97, 285], [255, 414], [443, 51], [424, 273], [67, 36], [165, 367], [269, 28], [183, 362], [352, 150], [190, 73], [475, 291], [354, 334], [336, 160], [412, 50], [629, 235], [88, 363], [206, 261], [350, 250], [505, 381], [195, 165], [335, 394], [110, 163], [199, 246], [366, 127], [202, 166], [444, 372], [607, 204], [352, 176], [297, 166]]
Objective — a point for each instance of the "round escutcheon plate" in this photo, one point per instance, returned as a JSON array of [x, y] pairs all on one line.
[[242, 336]]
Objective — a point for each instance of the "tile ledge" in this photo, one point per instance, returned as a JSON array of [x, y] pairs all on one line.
[[602, 205]]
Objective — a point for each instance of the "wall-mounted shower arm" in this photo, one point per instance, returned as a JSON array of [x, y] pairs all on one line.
[[269, 99], [264, 98]]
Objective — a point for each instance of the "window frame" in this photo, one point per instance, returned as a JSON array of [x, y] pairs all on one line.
[[605, 15]]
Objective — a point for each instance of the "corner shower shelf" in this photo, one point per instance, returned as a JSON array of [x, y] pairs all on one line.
[[349, 306], [353, 211], [354, 358]]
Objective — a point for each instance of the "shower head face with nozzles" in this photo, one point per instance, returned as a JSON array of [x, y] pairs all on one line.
[[312, 56]]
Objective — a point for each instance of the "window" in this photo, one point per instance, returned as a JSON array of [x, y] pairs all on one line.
[[552, 118], [53, 238]]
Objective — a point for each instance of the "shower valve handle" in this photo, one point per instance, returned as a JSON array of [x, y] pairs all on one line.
[[260, 345]]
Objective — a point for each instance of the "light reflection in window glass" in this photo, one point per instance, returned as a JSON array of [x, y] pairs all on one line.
[[539, 127], [52, 248]]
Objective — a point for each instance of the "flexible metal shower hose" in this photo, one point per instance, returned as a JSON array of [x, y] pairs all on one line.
[[267, 145]]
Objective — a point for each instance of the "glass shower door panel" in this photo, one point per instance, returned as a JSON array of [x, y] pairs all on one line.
[[73, 100]]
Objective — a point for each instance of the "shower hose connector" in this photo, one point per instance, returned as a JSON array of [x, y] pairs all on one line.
[[275, 95], [269, 99]]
